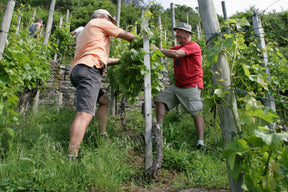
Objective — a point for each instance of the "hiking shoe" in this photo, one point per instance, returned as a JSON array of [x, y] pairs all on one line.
[[72, 158], [201, 147], [103, 136]]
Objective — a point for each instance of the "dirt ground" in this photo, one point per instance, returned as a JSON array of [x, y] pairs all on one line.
[[163, 182]]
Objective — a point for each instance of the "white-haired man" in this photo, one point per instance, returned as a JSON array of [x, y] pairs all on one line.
[[188, 74], [90, 61]]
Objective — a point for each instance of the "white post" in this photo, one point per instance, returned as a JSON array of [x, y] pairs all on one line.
[[224, 10], [221, 70], [18, 22], [173, 23], [49, 22], [67, 17], [118, 12], [261, 44], [6, 25], [160, 29], [34, 14], [198, 29], [148, 105], [60, 25]]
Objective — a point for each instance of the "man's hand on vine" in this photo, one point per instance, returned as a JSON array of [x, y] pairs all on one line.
[[154, 47]]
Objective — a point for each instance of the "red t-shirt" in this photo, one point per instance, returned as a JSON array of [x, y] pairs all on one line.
[[188, 70]]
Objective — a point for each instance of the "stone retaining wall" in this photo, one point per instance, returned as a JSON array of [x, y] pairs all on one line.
[[61, 93]]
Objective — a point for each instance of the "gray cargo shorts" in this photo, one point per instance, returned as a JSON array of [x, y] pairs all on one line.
[[87, 81], [189, 98]]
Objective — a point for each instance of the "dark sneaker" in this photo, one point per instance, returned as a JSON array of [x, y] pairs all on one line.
[[201, 148], [72, 158], [103, 136]]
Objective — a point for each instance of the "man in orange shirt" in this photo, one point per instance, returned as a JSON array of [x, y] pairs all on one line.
[[90, 61]]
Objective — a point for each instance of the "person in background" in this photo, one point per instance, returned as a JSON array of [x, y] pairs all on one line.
[[90, 61], [35, 29], [188, 75], [75, 33]]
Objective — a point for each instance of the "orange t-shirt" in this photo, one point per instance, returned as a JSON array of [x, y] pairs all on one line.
[[93, 43]]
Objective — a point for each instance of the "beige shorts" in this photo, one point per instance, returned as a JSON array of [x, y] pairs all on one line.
[[189, 98]]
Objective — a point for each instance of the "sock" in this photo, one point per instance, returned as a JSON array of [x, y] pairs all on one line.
[[200, 142], [103, 135], [72, 156]]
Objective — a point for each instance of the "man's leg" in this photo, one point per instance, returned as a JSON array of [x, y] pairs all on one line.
[[160, 113], [101, 113], [77, 131], [199, 126]]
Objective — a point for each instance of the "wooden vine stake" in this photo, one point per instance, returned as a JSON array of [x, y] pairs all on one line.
[[6, 25], [221, 71], [152, 167], [147, 102], [35, 101], [58, 41], [49, 23], [269, 102]]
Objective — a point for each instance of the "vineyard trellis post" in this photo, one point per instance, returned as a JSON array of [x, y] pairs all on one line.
[[147, 102], [113, 99], [174, 41], [67, 18], [224, 10], [33, 17], [173, 23], [221, 75], [18, 22], [160, 29], [35, 101], [60, 25], [67, 15], [118, 12], [198, 29], [269, 102], [49, 22], [187, 15], [6, 25]]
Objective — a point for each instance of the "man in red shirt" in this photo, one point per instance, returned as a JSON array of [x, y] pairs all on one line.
[[188, 74]]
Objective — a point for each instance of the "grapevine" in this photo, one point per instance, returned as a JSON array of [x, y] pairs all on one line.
[[127, 78]]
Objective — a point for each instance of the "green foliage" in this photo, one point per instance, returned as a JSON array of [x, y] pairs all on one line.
[[35, 159], [82, 10], [196, 168], [257, 153], [253, 153], [261, 160], [62, 38], [127, 78], [25, 65]]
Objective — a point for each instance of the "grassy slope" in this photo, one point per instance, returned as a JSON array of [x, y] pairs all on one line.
[[35, 159]]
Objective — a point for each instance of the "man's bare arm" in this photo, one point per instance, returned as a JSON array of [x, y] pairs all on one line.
[[113, 61], [126, 36], [172, 53]]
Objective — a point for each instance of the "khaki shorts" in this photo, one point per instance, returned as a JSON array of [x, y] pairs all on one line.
[[189, 98]]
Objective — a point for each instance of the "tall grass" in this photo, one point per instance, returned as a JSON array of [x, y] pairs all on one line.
[[35, 159]]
